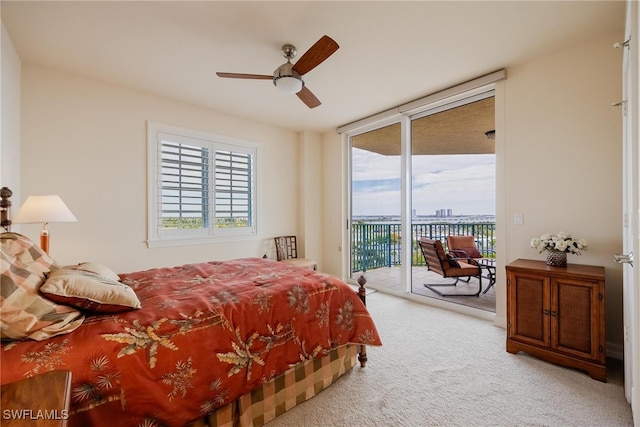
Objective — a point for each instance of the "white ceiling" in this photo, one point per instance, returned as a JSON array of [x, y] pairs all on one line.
[[390, 52]]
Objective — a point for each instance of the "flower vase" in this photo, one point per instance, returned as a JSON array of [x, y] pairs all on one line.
[[557, 259]]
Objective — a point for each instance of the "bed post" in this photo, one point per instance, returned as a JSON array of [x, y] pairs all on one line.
[[5, 207], [362, 293]]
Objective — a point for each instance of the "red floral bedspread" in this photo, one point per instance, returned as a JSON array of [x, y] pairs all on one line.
[[206, 334]]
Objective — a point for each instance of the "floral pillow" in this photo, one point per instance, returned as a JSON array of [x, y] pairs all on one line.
[[24, 313]]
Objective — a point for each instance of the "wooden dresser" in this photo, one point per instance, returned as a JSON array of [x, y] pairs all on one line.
[[558, 314]]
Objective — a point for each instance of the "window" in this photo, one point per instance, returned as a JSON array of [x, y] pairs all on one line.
[[201, 187]]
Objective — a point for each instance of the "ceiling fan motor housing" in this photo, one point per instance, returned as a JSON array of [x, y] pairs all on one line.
[[287, 79]]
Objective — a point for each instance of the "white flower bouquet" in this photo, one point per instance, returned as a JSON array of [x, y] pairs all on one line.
[[559, 242]]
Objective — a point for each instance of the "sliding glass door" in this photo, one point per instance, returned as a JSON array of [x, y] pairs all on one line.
[[453, 187], [376, 206], [446, 175]]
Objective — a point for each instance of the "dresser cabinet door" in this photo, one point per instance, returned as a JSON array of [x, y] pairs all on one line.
[[528, 309], [574, 318]]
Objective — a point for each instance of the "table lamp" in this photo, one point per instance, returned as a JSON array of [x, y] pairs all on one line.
[[44, 209]]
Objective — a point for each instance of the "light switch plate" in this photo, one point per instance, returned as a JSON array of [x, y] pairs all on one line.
[[518, 219]]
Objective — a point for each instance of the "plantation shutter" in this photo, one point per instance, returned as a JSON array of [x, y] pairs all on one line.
[[233, 189], [184, 186]]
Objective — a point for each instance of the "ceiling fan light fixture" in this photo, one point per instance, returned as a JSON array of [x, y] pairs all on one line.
[[286, 79], [288, 84]]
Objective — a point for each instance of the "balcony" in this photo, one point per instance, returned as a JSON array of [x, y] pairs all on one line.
[[376, 253]]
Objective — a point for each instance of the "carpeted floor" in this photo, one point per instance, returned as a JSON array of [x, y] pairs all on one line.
[[384, 279], [440, 368]]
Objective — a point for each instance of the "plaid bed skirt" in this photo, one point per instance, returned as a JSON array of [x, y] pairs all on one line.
[[284, 392]]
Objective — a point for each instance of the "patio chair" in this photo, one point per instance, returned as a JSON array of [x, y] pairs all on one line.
[[287, 251], [463, 246], [448, 266]]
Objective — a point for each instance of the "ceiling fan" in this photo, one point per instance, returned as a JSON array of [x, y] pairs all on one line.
[[288, 76]]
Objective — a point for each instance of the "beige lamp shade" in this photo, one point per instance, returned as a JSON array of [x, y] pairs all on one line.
[[43, 209]]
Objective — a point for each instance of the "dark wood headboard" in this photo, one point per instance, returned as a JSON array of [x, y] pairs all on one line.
[[5, 208]]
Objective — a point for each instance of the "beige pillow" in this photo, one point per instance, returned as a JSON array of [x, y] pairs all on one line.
[[89, 291], [99, 269]]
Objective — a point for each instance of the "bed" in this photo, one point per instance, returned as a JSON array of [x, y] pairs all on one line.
[[233, 342]]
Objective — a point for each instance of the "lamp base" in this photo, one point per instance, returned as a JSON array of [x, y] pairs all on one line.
[[44, 241]]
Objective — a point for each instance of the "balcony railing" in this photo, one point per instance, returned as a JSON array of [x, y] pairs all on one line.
[[376, 245]]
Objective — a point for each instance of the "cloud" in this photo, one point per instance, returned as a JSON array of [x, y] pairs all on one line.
[[464, 183]]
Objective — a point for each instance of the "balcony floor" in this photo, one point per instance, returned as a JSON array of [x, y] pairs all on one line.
[[389, 278]]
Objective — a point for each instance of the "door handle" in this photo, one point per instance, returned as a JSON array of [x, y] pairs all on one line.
[[621, 258]]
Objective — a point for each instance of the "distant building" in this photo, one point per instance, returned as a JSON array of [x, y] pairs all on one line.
[[444, 213]]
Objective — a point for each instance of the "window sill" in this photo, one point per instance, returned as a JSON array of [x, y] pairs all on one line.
[[199, 241]]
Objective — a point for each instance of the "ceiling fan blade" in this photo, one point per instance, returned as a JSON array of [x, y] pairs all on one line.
[[308, 98], [324, 48], [245, 76]]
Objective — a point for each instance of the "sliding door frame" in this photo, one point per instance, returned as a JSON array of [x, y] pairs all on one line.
[[482, 87]]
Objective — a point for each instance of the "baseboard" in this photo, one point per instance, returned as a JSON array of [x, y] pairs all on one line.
[[458, 308], [500, 321], [615, 350]]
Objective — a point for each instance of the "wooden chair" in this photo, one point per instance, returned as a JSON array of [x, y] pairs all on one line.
[[287, 251], [447, 265]]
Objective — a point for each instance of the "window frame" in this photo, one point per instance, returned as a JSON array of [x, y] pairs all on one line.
[[158, 237]]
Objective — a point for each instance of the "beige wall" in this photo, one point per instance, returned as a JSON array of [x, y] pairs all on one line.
[[10, 115], [309, 190], [86, 141], [558, 162], [563, 158], [333, 197]]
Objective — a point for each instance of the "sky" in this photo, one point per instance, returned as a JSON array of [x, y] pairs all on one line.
[[462, 182]]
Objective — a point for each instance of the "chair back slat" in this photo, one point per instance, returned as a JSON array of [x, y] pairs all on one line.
[[434, 256], [286, 247]]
